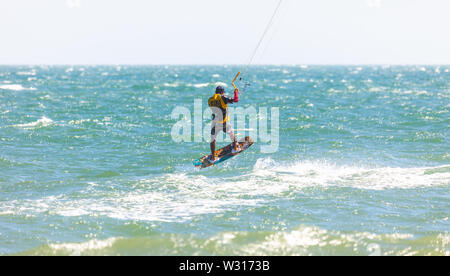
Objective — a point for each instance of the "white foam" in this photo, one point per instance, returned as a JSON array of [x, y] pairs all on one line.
[[301, 240], [201, 85], [317, 173], [46, 97], [76, 249], [15, 87], [181, 196], [79, 122], [188, 196], [171, 84], [44, 121], [32, 73]]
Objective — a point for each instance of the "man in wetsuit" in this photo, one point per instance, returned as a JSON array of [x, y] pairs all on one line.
[[219, 104]]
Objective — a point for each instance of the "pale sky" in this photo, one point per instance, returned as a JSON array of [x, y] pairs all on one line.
[[224, 31]]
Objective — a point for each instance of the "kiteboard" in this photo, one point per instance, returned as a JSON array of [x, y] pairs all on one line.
[[224, 153]]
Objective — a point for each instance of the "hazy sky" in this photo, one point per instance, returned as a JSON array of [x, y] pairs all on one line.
[[224, 31]]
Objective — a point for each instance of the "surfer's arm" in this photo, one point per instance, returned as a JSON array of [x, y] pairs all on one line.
[[236, 96], [229, 100]]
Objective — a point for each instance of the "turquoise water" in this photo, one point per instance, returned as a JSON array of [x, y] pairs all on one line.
[[88, 165]]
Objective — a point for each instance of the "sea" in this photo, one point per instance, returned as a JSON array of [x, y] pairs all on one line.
[[90, 165]]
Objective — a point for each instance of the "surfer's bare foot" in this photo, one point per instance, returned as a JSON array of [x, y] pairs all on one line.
[[237, 147], [212, 158]]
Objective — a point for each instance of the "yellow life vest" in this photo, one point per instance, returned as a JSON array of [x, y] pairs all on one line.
[[217, 101]]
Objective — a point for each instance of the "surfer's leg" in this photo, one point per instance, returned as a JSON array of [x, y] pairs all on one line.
[[214, 132], [229, 130], [213, 148]]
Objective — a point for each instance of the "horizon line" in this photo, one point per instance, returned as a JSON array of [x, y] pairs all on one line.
[[225, 64]]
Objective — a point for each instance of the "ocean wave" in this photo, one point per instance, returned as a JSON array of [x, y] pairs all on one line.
[[326, 174], [176, 84], [302, 240], [180, 197], [207, 84], [15, 87], [201, 85], [43, 122], [170, 198], [31, 73]]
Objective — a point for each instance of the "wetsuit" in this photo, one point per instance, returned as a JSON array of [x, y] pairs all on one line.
[[219, 104]]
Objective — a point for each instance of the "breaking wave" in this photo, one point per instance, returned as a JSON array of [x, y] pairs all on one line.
[[43, 122], [178, 197], [303, 240], [15, 87]]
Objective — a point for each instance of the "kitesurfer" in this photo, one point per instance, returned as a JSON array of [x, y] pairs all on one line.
[[219, 105]]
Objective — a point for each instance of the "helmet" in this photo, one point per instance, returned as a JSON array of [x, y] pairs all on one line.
[[220, 89]]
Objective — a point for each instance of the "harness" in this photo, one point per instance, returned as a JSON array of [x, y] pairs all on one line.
[[217, 102]]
